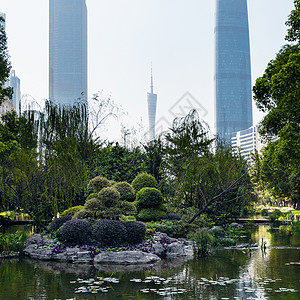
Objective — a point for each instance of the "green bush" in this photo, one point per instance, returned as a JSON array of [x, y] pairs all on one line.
[[112, 213], [12, 242], [92, 196], [94, 206], [126, 191], [125, 219], [75, 232], [204, 241], [55, 224], [151, 214], [173, 228], [71, 211], [97, 184], [83, 214], [109, 232], [143, 180], [264, 212], [127, 208], [109, 196], [149, 197], [135, 232]]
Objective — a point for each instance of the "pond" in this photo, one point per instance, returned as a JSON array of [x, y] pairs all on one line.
[[228, 274]]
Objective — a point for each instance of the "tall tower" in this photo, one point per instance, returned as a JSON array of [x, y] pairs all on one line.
[[67, 51], [233, 103], [14, 82], [3, 15], [152, 100]]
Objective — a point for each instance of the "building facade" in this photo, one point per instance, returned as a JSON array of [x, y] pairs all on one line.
[[233, 102], [152, 101], [67, 51], [247, 141]]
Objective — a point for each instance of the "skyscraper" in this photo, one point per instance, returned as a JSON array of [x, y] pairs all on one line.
[[14, 82], [3, 15], [233, 105], [152, 100], [67, 51]]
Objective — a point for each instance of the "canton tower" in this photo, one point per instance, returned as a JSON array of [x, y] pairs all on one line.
[[152, 100], [233, 103]]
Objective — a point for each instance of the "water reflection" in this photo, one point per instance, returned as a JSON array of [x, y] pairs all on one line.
[[229, 274]]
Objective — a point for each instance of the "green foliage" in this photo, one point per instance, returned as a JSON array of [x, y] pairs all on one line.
[[277, 94], [118, 163], [72, 210], [12, 242], [83, 214], [135, 232], [125, 219], [94, 206], [109, 232], [204, 241], [126, 191], [112, 213], [175, 229], [75, 232], [98, 183], [127, 208], [109, 196], [274, 217], [5, 92], [143, 180], [57, 223], [149, 197], [151, 214]]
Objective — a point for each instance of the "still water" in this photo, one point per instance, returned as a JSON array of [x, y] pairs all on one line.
[[228, 274]]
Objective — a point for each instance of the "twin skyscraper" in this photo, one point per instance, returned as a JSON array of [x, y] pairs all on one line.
[[233, 103]]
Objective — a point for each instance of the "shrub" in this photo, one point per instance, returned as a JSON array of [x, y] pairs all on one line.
[[143, 180], [175, 229], [109, 232], [173, 217], [92, 196], [151, 214], [55, 224], [75, 232], [126, 191], [127, 208], [112, 213], [109, 196], [93, 205], [97, 184], [204, 241], [72, 210], [135, 232], [264, 212], [125, 219], [149, 197], [83, 214], [217, 231]]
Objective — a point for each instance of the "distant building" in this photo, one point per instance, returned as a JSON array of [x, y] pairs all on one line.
[[14, 82], [152, 101], [67, 51], [5, 107], [247, 141], [233, 103], [3, 15]]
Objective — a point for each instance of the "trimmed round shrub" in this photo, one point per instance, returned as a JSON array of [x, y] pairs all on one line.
[[112, 213], [72, 210], [75, 232], [149, 197], [83, 214], [151, 214], [55, 224], [126, 191], [93, 205], [173, 217], [97, 184], [143, 180], [109, 232], [112, 182], [91, 196], [109, 196], [135, 232], [127, 208]]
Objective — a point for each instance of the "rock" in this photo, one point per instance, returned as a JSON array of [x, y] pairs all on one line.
[[179, 249], [158, 249], [235, 225], [34, 239], [126, 258]]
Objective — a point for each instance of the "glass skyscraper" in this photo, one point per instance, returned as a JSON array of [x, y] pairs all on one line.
[[233, 104], [67, 51], [152, 101]]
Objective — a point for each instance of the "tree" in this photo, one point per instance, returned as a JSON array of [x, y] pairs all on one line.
[[5, 92], [277, 93]]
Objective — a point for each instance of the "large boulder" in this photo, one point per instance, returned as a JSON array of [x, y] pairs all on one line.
[[126, 258]]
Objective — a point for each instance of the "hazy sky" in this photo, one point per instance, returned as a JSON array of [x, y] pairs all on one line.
[[125, 36]]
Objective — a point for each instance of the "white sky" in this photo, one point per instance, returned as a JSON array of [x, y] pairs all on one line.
[[125, 36]]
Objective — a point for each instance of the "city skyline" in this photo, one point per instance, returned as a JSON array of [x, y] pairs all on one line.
[[233, 102], [67, 51], [125, 37]]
